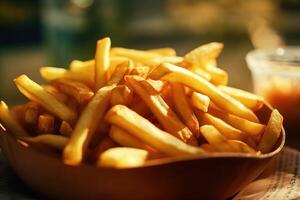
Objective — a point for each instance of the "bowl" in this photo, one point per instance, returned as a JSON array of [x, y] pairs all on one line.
[[215, 176]]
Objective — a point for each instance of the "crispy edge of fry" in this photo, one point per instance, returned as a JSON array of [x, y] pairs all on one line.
[[200, 101], [144, 130], [119, 73], [166, 51], [102, 57], [251, 128], [91, 116], [35, 92], [184, 109], [173, 73], [227, 130], [52, 73], [113, 64], [45, 124], [75, 89], [65, 129], [204, 53], [165, 115], [121, 94], [122, 157], [56, 141], [63, 98], [142, 71], [10, 123], [271, 133], [127, 140], [83, 66], [218, 75], [240, 146], [250, 100]]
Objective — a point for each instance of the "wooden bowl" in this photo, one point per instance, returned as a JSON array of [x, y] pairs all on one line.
[[217, 176]]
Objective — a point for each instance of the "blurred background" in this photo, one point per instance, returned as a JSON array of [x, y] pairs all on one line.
[[36, 33]]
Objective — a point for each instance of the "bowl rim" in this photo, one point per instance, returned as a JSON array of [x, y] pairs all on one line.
[[161, 161]]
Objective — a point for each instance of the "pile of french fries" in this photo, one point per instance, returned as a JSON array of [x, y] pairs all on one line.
[[128, 107]]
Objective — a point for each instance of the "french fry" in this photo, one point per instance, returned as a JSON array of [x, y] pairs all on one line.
[[203, 54], [271, 133], [141, 108], [200, 72], [163, 51], [250, 100], [75, 89], [127, 140], [102, 62], [56, 141], [144, 130], [73, 105], [119, 73], [86, 125], [9, 123], [252, 128], [65, 129], [184, 109], [36, 93], [200, 101], [52, 73], [208, 147], [31, 114], [226, 130], [105, 144], [122, 157], [141, 71], [218, 76], [121, 95], [45, 124], [242, 147], [113, 64], [63, 98], [167, 118], [83, 66], [144, 57], [173, 73]]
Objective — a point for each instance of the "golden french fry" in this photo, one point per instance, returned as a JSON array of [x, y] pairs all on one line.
[[52, 73], [203, 54], [75, 89], [121, 95], [56, 141], [65, 129], [144, 130], [250, 100], [242, 147], [200, 72], [200, 101], [173, 73], [271, 133], [226, 130], [105, 144], [218, 76], [86, 125], [212, 135], [154, 86], [115, 61], [119, 73], [9, 123], [122, 157], [141, 71], [36, 93], [73, 105], [167, 118], [83, 66], [208, 147], [63, 98], [167, 51], [144, 57], [31, 114], [184, 109], [252, 128], [127, 140], [102, 62], [45, 124]]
